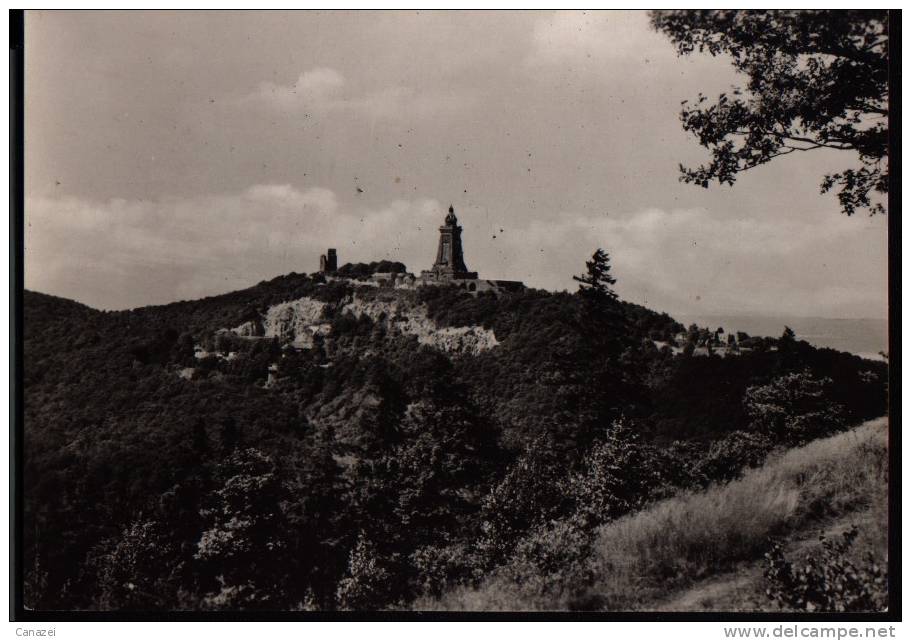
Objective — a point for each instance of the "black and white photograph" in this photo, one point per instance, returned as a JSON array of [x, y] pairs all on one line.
[[457, 313]]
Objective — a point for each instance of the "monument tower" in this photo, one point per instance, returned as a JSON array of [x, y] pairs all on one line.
[[450, 262]]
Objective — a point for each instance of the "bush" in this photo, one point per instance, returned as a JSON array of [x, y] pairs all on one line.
[[369, 583], [794, 408], [528, 496], [827, 580], [618, 476], [557, 550], [363, 271], [133, 569], [438, 568], [637, 560], [729, 457]]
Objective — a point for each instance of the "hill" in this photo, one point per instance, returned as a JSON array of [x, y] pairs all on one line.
[[313, 444], [704, 551]]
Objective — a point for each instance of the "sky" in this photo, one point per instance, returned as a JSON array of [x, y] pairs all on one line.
[[176, 155]]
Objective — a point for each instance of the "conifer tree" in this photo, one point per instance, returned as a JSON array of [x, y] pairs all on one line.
[[596, 285]]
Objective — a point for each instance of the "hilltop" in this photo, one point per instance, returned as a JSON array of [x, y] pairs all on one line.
[[328, 443]]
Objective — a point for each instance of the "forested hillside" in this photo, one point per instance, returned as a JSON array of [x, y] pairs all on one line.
[[386, 448]]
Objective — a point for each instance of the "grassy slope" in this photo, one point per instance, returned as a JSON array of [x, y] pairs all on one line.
[[699, 551]]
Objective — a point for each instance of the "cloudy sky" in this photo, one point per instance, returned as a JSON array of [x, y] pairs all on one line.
[[177, 155]]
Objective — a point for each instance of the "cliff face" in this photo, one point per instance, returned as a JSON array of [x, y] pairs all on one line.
[[297, 322], [412, 320]]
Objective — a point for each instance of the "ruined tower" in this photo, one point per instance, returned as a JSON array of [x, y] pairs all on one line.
[[450, 263], [328, 262]]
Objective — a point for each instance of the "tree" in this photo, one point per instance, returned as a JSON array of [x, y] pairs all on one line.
[[728, 457], [601, 316], [787, 340], [244, 544], [818, 79], [794, 407], [368, 583], [596, 285], [529, 495], [617, 476], [136, 570]]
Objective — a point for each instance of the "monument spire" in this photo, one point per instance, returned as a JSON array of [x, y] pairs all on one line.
[[450, 261]]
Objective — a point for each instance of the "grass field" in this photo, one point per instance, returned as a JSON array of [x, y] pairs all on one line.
[[704, 550]]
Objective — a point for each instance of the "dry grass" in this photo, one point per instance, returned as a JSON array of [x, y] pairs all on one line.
[[640, 559]]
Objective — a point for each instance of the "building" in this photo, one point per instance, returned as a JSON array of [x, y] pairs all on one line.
[[450, 262], [449, 267], [328, 262]]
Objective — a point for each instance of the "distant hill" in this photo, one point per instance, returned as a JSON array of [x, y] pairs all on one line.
[[312, 444]]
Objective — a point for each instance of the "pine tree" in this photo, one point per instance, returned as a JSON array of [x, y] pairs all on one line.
[[597, 283]]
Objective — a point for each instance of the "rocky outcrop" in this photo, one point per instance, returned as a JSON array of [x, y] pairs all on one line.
[[296, 322], [414, 321], [250, 329]]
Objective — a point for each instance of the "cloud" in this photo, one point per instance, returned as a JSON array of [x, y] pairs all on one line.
[[133, 252], [125, 253], [687, 261], [314, 87], [323, 90]]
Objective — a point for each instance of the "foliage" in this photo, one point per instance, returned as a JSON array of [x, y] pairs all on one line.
[[727, 458], [637, 561], [246, 539], [827, 580], [552, 561], [618, 476], [130, 570], [368, 581], [794, 407], [596, 284], [525, 498], [818, 79], [437, 568], [363, 271], [202, 485]]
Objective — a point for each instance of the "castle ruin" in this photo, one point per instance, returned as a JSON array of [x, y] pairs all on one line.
[[328, 262]]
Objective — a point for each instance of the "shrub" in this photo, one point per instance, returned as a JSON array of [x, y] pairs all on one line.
[[437, 568], [794, 408], [618, 476], [134, 570], [551, 552], [640, 558], [729, 457], [528, 496], [368, 584], [363, 271], [827, 580]]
